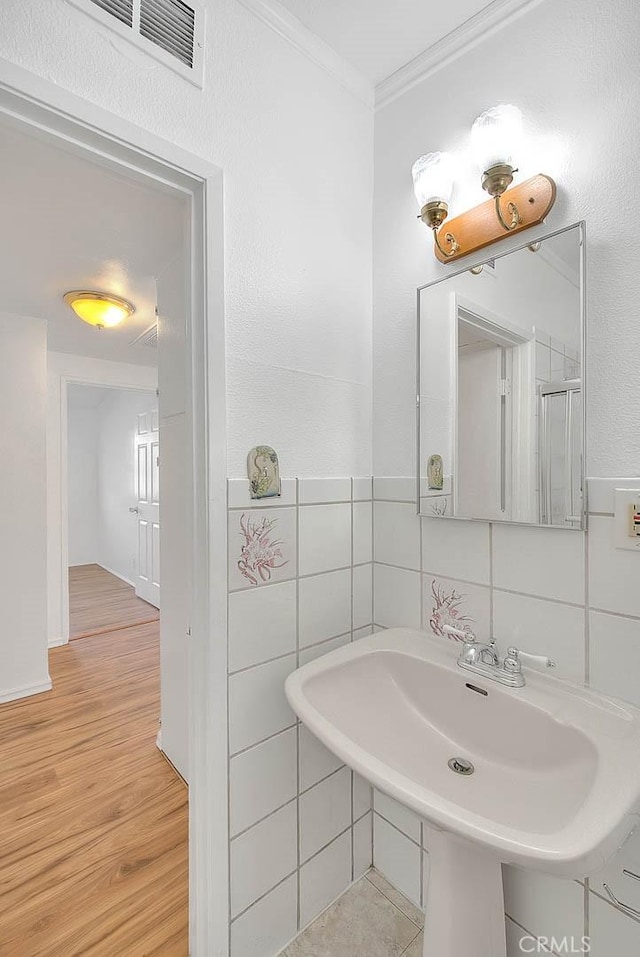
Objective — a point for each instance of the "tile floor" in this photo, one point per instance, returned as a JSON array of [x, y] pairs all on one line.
[[371, 919]]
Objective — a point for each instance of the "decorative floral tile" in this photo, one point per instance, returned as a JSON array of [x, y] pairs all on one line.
[[262, 547], [456, 604]]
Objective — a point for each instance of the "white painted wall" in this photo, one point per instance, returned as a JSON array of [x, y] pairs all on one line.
[[295, 148], [577, 112], [116, 473], [23, 521], [63, 369], [84, 504]]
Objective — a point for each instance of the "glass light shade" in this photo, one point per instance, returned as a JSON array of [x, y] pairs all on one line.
[[99, 309], [433, 178], [496, 137]]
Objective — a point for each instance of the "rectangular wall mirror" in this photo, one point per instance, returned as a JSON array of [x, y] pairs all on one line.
[[501, 387]]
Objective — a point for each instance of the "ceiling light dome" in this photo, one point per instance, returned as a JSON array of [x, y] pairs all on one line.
[[99, 309]]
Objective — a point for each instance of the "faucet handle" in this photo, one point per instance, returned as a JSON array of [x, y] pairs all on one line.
[[513, 664]]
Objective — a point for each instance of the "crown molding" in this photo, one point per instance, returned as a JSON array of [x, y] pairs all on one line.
[[484, 23], [289, 27]]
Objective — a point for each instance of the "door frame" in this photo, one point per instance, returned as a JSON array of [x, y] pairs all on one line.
[[522, 342], [54, 111], [102, 379]]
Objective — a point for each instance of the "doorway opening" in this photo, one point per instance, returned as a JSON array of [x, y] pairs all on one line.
[[113, 495], [194, 413]]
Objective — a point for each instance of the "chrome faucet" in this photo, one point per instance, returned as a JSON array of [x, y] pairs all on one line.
[[483, 659]]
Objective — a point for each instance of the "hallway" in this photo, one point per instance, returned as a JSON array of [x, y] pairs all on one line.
[[100, 602], [93, 820]]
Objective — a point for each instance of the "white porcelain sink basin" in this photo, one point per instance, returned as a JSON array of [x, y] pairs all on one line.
[[556, 780]]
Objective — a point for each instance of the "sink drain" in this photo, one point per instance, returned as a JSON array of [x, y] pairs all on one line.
[[461, 766]]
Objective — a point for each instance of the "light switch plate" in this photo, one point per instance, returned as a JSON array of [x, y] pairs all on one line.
[[627, 518]]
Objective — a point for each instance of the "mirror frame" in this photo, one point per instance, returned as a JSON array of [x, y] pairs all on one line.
[[581, 226]]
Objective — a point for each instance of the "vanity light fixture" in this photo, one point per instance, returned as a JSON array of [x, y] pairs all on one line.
[[433, 185], [99, 309], [496, 140]]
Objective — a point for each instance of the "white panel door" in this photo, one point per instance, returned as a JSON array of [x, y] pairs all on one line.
[[147, 510]]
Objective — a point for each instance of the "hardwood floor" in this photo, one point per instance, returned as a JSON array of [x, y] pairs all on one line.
[[100, 602], [93, 820]]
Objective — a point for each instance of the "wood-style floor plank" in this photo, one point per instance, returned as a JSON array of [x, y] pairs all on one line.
[[100, 602], [93, 821]]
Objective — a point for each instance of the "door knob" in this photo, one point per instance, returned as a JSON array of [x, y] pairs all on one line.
[[134, 509]]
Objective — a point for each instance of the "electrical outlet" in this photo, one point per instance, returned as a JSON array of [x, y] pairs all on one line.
[[627, 518]]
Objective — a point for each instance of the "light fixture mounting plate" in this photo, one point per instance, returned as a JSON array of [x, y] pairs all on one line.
[[480, 227]]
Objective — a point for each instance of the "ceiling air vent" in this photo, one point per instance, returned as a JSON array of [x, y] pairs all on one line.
[[170, 24], [147, 338], [121, 9], [172, 31]]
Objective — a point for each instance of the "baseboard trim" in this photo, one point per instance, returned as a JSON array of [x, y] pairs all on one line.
[[25, 691], [169, 761], [116, 574]]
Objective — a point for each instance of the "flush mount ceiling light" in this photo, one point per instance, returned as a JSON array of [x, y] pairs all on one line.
[[99, 309], [496, 141]]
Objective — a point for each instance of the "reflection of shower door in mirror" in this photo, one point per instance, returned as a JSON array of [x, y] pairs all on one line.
[[494, 475], [560, 453]]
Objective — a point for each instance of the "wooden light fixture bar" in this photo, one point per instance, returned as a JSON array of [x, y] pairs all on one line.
[[481, 226]]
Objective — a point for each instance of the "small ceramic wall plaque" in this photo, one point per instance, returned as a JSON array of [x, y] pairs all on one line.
[[435, 471], [263, 470]]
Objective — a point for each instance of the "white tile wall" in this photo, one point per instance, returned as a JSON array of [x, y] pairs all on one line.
[[396, 535], [524, 585], [626, 888], [546, 906], [612, 933], [547, 562], [396, 597], [397, 857], [362, 846], [325, 538], [570, 595], [324, 877], [262, 624], [615, 656], [362, 595], [613, 572], [542, 628], [398, 815], [263, 856], [300, 822], [362, 532], [316, 761], [315, 651], [456, 549], [325, 606], [363, 489], [362, 796], [269, 924], [325, 811], [316, 490], [257, 704], [239, 497], [273, 763]]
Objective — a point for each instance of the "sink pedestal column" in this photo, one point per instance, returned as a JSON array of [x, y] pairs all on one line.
[[465, 900]]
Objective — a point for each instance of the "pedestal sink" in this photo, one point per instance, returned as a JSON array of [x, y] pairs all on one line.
[[546, 776]]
